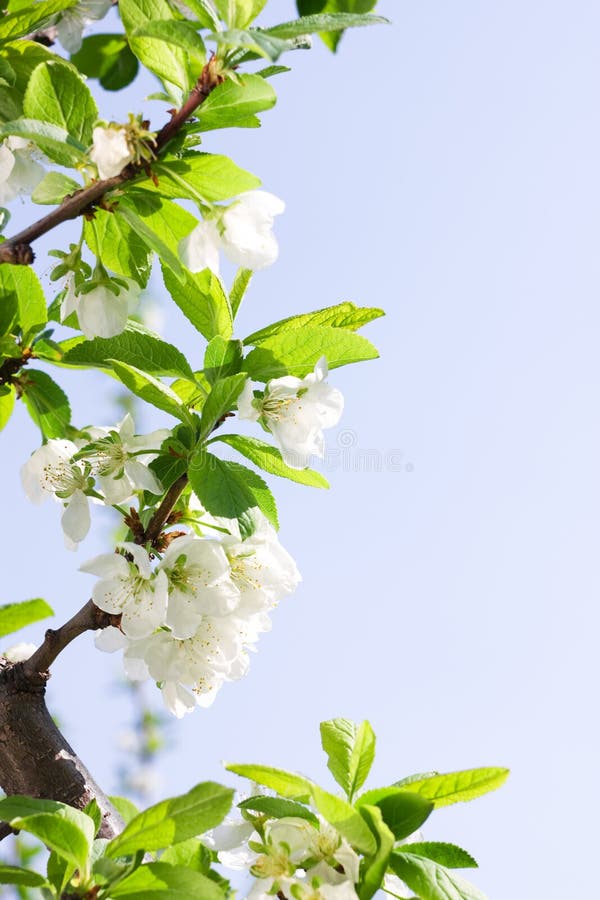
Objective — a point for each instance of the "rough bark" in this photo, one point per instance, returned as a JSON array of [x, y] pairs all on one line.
[[35, 758]]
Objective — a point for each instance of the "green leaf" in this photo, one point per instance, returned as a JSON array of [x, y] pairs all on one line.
[[222, 358], [326, 22], [351, 750], [55, 142], [239, 288], [108, 58], [174, 820], [7, 405], [257, 43], [170, 63], [153, 240], [59, 871], [278, 808], [53, 188], [375, 867], [119, 246], [63, 829], [23, 301], [31, 18], [345, 819], [232, 103], [402, 812], [126, 809], [344, 315], [202, 300], [287, 784], [458, 787], [144, 351], [16, 875], [430, 881], [296, 352], [179, 34], [160, 881], [228, 489], [221, 400], [150, 389], [14, 616], [191, 854], [22, 57], [269, 459], [204, 177], [46, 402], [448, 855], [239, 13], [57, 95]]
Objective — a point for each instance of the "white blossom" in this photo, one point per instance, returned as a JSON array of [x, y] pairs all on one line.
[[243, 231], [101, 312], [127, 585], [199, 583], [73, 21], [111, 150], [19, 171], [295, 410], [116, 461], [51, 472], [19, 652]]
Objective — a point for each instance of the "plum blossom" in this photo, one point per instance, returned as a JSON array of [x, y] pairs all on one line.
[[295, 411], [117, 459], [199, 583], [127, 585], [19, 652], [19, 171], [111, 150], [102, 310], [243, 231], [52, 472], [72, 22]]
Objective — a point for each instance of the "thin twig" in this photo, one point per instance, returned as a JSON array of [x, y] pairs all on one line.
[[17, 249], [158, 520]]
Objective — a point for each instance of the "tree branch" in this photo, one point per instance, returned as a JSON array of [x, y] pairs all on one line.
[[159, 519], [17, 249]]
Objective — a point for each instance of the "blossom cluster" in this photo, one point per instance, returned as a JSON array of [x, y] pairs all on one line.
[[188, 621], [298, 858]]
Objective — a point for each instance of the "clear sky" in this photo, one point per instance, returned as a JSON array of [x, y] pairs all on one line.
[[445, 168]]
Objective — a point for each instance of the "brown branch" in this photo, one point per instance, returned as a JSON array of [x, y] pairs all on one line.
[[17, 249], [159, 519]]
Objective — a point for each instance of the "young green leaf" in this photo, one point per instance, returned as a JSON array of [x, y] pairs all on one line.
[[234, 103], [63, 829], [46, 402], [23, 301], [222, 358], [153, 240], [458, 787], [278, 808], [375, 867], [108, 58], [345, 819], [126, 808], [119, 246], [16, 875], [53, 187], [239, 13], [170, 63], [344, 315], [269, 459], [228, 489], [55, 142], [323, 23], [448, 855], [56, 94], [144, 351], [150, 389], [203, 177], [192, 854], [31, 18], [239, 288], [402, 812], [202, 300], [21, 57], [174, 820], [296, 352], [177, 33], [431, 881], [7, 405], [161, 881], [286, 784], [221, 400], [351, 750], [14, 616]]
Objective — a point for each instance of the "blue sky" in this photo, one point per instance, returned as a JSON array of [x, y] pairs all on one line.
[[446, 169]]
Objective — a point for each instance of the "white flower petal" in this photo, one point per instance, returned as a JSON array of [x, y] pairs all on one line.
[[200, 249], [177, 699], [102, 313], [110, 640], [76, 517]]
